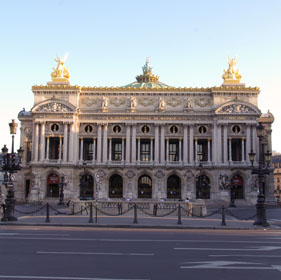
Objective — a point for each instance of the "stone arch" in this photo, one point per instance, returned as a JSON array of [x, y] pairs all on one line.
[[238, 107], [86, 184], [144, 186], [53, 105], [115, 186], [174, 187], [237, 183], [53, 181], [203, 186]]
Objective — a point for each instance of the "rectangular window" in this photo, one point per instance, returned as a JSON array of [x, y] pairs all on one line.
[[173, 150], [88, 149], [145, 150], [28, 151], [117, 150], [236, 149], [54, 148], [202, 148]]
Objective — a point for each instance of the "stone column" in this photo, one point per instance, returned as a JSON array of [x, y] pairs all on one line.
[[162, 148], [94, 150], [185, 151], [104, 146], [151, 149], [99, 145], [196, 150], [138, 149], [229, 149], [255, 143], [209, 150], [134, 151], [248, 142], [180, 150], [36, 140], [110, 150], [123, 149], [60, 150], [156, 144], [128, 142], [42, 142], [225, 143], [214, 144], [71, 142], [243, 149], [48, 147], [81, 149], [219, 145], [167, 150], [65, 142], [191, 145]]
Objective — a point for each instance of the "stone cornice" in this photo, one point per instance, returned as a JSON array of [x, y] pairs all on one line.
[[83, 89]]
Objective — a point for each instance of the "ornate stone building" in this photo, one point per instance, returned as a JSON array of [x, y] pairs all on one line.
[[145, 140]]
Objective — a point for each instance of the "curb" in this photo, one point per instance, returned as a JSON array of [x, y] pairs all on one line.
[[137, 226]]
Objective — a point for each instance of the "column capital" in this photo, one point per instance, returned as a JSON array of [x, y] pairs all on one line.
[[151, 138], [229, 138]]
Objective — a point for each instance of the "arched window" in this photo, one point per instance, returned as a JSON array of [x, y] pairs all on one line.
[[115, 186], [86, 186], [53, 185], [174, 187], [203, 187], [237, 186], [144, 187]]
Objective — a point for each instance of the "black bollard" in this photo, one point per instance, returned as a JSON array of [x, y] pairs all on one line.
[[179, 215], [47, 214], [96, 216], [91, 213], [81, 210], [223, 223], [135, 214], [73, 208]]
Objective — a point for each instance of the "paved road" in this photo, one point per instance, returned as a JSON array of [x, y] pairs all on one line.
[[95, 253]]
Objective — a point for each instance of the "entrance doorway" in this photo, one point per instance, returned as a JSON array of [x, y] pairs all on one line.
[[115, 186], [144, 187], [203, 187], [174, 187], [86, 186], [53, 185]]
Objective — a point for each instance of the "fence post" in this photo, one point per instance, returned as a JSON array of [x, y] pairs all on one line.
[[81, 210], [73, 209], [96, 213], [91, 213], [47, 214], [135, 214], [223, 223], [179, 215]]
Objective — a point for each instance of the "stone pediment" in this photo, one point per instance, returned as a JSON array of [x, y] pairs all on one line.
[[238, 108], [53, 106]]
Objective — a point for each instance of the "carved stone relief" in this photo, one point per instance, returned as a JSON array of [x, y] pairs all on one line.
[[236, 108], [223, 181], [54, 107], [145, 102], [173, 102]]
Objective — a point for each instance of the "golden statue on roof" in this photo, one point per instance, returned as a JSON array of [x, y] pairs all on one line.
[[232, 75], [60, 74]]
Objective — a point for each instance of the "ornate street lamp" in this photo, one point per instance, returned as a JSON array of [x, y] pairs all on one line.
[[261, 170], [11, 164]]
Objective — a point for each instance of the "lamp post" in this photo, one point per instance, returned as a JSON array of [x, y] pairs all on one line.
[[11, 164], [261, 170], [200, 157], [62, 184]]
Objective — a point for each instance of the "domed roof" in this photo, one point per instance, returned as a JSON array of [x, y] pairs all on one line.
[[147, 79], [24, 113]]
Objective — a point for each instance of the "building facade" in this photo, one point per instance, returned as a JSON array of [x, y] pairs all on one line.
[[276, 162], [145, 140]]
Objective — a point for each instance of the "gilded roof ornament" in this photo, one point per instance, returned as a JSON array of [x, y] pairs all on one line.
[[232, 75], [60, 73]]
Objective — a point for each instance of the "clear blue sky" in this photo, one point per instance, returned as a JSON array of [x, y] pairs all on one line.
[[109, 40]]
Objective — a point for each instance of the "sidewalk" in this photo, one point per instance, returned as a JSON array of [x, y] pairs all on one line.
[[128, 220]]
